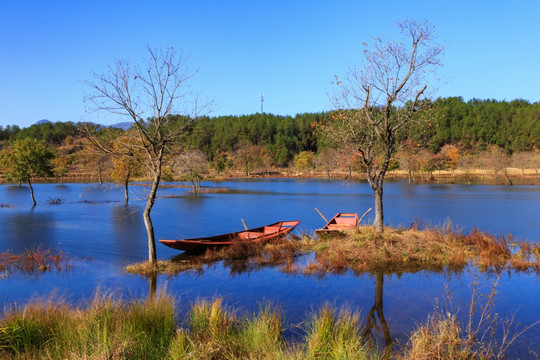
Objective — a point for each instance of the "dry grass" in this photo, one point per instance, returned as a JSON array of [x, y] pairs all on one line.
[[240, 257], [33, 260], [399, 250], [440, 339], [109, 328], [149, 269], [414, 249]]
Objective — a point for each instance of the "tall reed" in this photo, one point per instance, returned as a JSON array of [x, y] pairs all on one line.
[[108, 328], [335, 335]]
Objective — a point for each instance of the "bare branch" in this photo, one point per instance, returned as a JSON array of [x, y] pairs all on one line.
[[377, 103], [150, 95]]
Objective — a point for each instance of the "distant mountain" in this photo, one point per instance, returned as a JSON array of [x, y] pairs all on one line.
[[43, 121], [126, 125]]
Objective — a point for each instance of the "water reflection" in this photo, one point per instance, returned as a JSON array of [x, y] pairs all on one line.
[[28, 228], [128, 229], [94, 222], [377, 312], [152, 287]]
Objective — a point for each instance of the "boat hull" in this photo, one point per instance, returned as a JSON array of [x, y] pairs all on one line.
[[260, 234], [339, 223]]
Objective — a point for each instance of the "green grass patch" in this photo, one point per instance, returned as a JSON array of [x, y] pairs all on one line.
[[109, 328]]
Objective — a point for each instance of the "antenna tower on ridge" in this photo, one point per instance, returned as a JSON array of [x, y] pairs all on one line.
[[262, 100]]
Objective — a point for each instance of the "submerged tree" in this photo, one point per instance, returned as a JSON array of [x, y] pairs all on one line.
[[26, 159], [305, 160], [375, 104], [149, 94], [329, 159], [195, 164], [247, 156], [127, 161], [61, 166]]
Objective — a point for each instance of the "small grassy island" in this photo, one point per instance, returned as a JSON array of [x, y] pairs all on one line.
[[364, 250]]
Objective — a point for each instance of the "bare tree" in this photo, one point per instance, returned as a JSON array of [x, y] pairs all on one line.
[[328, 160], [376, 103], [195, 164], [535, 162], [522, 160], [247, 156], [499, 161], [149, 94], [466, 163], [408, 159], [95, 159]]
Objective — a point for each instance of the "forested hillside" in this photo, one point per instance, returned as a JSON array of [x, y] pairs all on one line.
[[474, 134], [280, 137], [476, 124]]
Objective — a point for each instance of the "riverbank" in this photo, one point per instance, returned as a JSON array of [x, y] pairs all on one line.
[[513, 176], [158, 328]]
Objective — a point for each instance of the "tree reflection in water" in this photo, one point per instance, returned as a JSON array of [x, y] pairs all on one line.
[[377, 312], [152, 287]]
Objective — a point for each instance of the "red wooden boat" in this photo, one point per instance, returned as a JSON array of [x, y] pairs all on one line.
[[263, 233], [342, 221]]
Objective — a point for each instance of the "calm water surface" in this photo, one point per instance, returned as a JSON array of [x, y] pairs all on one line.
[[96, 224]]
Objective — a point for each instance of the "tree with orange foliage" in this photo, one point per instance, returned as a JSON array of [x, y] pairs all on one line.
[[451, 155]]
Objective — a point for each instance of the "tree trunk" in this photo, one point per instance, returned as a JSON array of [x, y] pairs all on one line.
[[152, 257], [99, 173], [508, 180], [31, 191], [126, 185], [378, 224]]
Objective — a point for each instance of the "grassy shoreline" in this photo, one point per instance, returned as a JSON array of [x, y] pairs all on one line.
[[109, 328], [458, 176], [157, 328]]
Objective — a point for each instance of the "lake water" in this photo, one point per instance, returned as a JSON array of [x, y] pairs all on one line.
[[94, 223]]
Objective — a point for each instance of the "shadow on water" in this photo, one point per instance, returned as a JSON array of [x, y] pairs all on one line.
[[28, 228], [14, 188], [128, 227]]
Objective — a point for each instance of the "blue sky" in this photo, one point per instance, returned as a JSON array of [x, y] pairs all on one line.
[[289, 50]]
